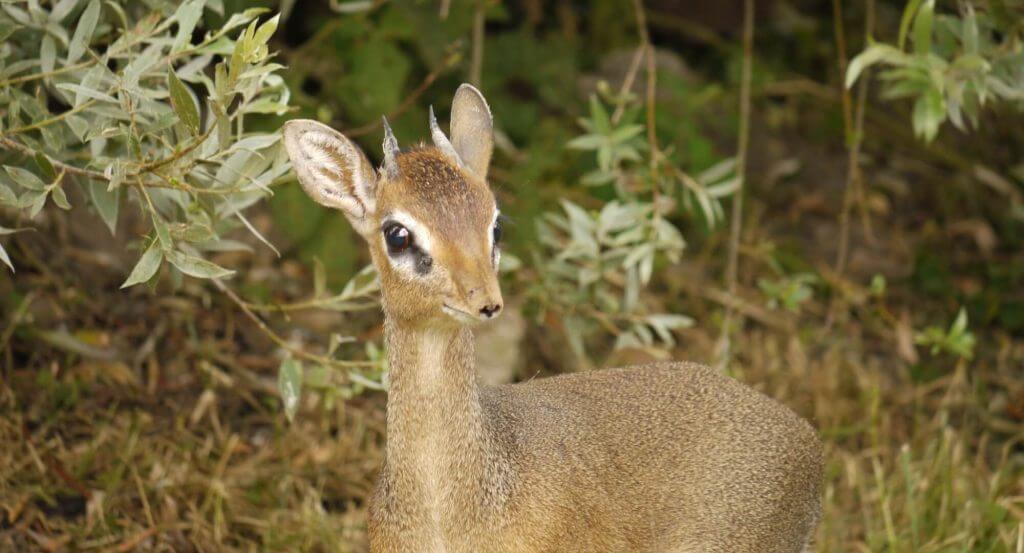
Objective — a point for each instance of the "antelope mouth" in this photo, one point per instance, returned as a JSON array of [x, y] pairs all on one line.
[[460, 315]]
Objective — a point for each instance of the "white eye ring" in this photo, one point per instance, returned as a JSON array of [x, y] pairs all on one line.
[[419, 237]]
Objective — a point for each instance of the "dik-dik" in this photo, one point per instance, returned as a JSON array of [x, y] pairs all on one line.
[[667, 457]]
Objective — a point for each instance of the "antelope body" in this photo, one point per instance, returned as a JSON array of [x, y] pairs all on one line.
[[669, 457]]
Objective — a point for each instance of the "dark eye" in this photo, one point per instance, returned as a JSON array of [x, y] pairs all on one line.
[[397, 237], [497, 231]]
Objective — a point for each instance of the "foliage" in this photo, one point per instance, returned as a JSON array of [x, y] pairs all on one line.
[[954, 65], [123, 103], [595, 264], [137, 420], [789, 291], [957, 341]]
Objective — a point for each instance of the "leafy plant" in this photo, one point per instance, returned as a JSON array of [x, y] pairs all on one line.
[[958, 341], [595, 264], [788, 291], [599, 264], [953, 67], [122, 102], [618, 147]]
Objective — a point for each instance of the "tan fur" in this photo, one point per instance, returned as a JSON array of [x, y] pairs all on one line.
[[670, 457]]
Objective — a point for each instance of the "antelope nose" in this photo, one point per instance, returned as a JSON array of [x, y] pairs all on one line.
[[489, 311]]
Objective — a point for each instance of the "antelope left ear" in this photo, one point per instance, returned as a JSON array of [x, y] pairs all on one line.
[[472, 129], [332, 170]]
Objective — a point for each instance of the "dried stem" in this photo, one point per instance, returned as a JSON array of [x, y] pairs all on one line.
[[649, 101], [408, 102], [853, 126], [627, 83], [736, 224], [477, 55], [281, 342], [21, 148]]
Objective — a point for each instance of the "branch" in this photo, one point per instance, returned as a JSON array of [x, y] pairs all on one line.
[[281, 342], [448, 62], [736, 224], [21, 148], [853, 126], [477, 53]]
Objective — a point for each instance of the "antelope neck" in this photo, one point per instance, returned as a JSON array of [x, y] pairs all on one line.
[[436, 432]]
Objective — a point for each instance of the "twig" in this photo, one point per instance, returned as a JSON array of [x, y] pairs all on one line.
[[19, 312], [649, 101], [645, 39], [689, 29], [281, 342], [408, 102], [853, 125], [736, 224], [50, 120], [477, 54], [18, 147], [627, 83]]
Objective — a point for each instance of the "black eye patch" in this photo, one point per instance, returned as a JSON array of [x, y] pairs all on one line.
[[422, 261]]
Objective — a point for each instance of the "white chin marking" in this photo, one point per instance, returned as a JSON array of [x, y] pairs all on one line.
[[459, 315]]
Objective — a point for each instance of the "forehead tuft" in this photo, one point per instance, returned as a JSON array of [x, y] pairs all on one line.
[[434, 190]]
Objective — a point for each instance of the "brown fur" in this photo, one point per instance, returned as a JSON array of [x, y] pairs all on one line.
[[670, 457]]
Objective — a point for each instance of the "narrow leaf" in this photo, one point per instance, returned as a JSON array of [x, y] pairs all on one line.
[[5, 258], [146, 267], [107, 203], [25, 178], [923, 28], [47, 54], [83, 31], [196, 266], [908, 16], [289, 384], [182, 103]]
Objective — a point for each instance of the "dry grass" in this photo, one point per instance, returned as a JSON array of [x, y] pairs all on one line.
[[150, 422], [93, 461]]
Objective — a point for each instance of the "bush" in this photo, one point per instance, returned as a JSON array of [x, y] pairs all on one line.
[[126, 104]]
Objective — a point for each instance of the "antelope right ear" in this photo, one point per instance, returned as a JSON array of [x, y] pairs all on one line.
[[472, 129], [332, 170]]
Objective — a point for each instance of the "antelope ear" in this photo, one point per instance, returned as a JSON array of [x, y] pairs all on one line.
[[472, 129], [332, 170]]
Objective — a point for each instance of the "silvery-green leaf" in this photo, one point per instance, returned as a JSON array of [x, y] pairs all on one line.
[[289, 385], [6, 260], [38, 201], [163, 233], [181, 101], [7, 28], [84, 28], [196, 266], [146, 267], [47, 54], [62, 8], [960, 324], [188, 15], [106, 201], [923, 27], [7, 196], [257, 142], [929, 113], [83, 92], [266, 30], [59, 197], [44, 165], [25, 178], [671, 320]]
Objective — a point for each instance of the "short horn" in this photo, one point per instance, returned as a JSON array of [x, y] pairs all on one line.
[[441, 141], [390, 167]]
